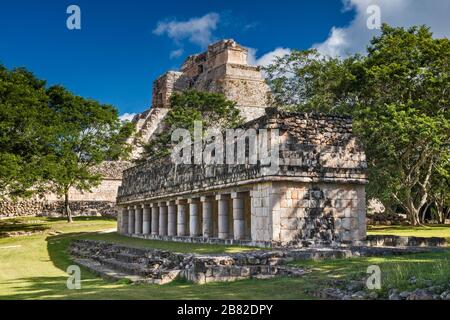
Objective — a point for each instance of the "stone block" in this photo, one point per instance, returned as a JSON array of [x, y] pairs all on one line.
[[289, 223]]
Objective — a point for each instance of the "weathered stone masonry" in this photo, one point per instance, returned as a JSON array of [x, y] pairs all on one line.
[[317, 194]]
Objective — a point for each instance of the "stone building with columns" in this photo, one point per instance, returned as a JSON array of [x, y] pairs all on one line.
[[315, 194]]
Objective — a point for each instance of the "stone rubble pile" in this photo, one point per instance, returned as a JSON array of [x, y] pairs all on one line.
[[160, 267], [356, 290]]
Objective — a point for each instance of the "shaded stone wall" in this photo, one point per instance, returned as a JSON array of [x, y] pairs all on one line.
[[55, 208], [100, 201]]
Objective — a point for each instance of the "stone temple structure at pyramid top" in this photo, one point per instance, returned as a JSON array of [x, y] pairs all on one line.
[[222, 68]]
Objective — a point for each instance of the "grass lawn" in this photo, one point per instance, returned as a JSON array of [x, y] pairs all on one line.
[[33, 267], [166, 245], [395, 270], [425, 231]]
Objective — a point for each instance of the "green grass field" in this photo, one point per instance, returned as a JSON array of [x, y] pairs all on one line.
[[34, 267], [425, 231]]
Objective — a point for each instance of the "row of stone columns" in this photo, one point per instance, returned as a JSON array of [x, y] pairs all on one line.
[[181, 217]]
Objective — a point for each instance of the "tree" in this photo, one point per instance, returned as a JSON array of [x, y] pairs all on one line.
[[87, 134], [212, 109], [25, 133], [306, 81], [440, 195], [398, 96]]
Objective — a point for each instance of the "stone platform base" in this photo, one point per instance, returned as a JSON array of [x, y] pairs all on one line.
[[202, 240], [154, 266], [370, 241]]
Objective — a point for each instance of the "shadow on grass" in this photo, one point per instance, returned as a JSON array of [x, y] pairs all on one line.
[[96, 288], [16, 225], [93, 287]]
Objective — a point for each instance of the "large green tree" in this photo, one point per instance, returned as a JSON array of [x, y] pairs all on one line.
[[212, 109], [25, 133], [87, 133], [398, 94]]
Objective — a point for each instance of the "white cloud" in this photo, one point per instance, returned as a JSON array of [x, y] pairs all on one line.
[[196, 30], [267, 58], [176, 53], [127, 116], [403, 13]]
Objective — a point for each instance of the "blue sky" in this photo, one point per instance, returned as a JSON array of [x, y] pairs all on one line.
[[124, 45]]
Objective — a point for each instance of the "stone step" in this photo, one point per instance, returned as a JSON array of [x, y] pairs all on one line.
[[130, 268], [128, 257], [109, 273]]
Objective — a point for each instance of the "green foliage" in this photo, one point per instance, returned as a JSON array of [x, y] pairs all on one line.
[[50, 138], [307, 81], [212, 109], [24, 139], [398, 95], [86, 134]]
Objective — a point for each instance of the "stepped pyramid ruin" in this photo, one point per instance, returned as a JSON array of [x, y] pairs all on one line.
[[222, 68]]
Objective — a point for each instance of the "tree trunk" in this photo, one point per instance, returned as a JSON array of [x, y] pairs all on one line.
[[413, 212], [442, 214], [425, 211], [67, 210]]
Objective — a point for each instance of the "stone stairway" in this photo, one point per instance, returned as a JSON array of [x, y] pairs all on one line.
[[140, 265], [147, 124]]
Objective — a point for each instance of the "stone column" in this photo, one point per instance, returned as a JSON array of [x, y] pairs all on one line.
[[131, 220], [171, 218], [207, 206], [194, 217], [155, 219], [146, 219], [238, 215], [163, 219], [138, 219], [124, 229], [223, 215], [181, 212]]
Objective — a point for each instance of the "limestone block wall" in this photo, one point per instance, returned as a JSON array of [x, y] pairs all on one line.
[[261, 214], [292, 212], [101, 200]]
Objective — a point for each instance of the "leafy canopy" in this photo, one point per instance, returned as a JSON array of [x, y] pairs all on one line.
[[398, 95], [25, 133], [212, 109]]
